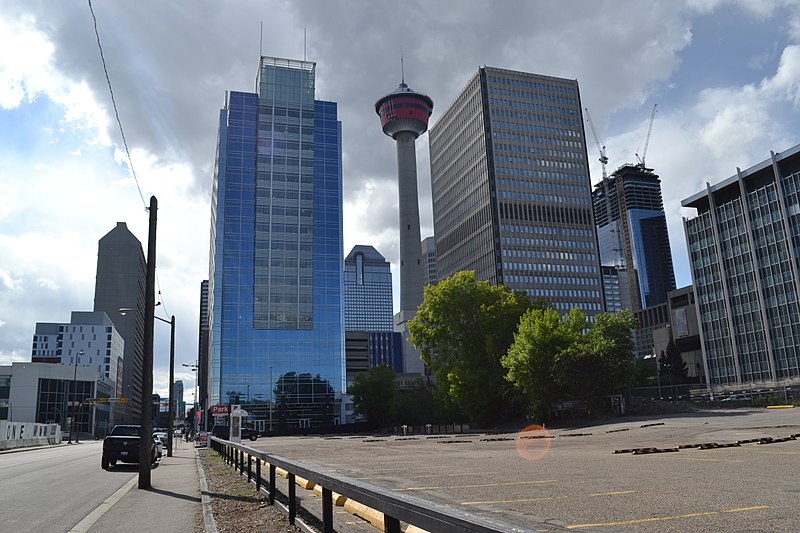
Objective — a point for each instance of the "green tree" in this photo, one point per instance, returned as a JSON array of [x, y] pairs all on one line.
[[374, 393], [555, 357], [542, 336], [600, 362], [671, 363], [463, 327]]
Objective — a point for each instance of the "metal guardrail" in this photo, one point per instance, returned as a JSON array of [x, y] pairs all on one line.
[[395, 507]]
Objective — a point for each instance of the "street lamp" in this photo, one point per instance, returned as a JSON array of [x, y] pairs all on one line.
[[74, 398], [170, 416], [195, 423]]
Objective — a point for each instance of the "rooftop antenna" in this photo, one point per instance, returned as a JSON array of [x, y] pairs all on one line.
[[402, 68], [304, 44], [261, 41]]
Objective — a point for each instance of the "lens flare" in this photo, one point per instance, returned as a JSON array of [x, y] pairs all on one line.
[[533, 442]]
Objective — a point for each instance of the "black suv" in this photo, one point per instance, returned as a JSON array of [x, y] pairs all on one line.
[[224, 432]]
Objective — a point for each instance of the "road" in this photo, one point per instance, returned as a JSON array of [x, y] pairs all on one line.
[[576, 478], [52, 489]]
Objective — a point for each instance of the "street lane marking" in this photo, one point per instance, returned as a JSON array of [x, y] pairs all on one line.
[[482, 485], [663, 518], [86, 524], [706, 459], [548, 498]]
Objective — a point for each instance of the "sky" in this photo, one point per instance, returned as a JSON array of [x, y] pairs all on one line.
[[724, 74]]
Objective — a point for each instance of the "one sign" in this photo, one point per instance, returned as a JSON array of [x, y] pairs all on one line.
[[220, 409], [203, 438]]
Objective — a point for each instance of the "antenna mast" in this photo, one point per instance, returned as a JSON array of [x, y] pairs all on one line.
[[402, 68]]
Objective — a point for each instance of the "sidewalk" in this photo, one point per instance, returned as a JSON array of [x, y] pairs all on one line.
[[171, 504]]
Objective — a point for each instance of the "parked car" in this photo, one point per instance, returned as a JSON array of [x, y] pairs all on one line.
[[159, 446], [223, 432], [161, 436], [122, 444]]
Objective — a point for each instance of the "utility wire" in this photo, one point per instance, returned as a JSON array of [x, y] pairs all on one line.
[[122, 132], [114, 103]]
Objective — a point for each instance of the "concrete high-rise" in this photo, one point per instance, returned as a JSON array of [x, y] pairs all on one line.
[[744, 253], [429, 260], [275, 280], [120, 283], [404, 115], [632, 233], [511, 189]]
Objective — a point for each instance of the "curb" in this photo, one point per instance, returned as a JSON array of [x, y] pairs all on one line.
[[208, 515], [780, 406]]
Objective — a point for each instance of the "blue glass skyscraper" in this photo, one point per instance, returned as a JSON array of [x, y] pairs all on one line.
[[276, 289]]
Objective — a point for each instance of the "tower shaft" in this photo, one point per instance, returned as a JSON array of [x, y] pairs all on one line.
[[410, 241]]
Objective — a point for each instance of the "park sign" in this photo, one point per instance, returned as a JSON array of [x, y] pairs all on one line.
[[220, 409]]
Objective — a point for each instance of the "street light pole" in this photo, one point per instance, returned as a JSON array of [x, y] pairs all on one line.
[[170, 414], [74, 397]]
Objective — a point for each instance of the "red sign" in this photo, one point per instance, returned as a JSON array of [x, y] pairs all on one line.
[[220, 409]]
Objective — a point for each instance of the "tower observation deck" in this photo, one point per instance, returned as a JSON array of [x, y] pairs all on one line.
[[404, 116]]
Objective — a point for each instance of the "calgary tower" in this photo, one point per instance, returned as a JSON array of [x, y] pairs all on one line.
[[404, 116]]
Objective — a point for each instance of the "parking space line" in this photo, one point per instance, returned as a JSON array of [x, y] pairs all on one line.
[[782, 453], [549, 498], [706, 459], [663, 518], [481, 485]]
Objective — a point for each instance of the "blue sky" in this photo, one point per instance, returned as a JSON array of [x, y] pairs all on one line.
[[724, 73]]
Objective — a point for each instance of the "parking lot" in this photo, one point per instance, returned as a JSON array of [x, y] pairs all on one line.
[[706, 482]]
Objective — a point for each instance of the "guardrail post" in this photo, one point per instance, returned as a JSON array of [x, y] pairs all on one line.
[[327, 510], [249, 467], [241, 462], [271, 484], [258, 475], [391, 524], [292, 501]]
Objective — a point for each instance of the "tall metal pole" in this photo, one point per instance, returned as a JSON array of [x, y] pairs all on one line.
[[170, 415], [74, 398], [146, 440]]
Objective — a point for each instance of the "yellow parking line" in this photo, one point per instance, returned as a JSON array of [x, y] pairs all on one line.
[[783, 453], [483, 485], [549, 498], [662, 518]]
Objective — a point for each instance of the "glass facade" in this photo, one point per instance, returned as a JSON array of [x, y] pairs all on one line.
[[511, 189], [632, 233], [275, 285], [744, 245], [367, 291]]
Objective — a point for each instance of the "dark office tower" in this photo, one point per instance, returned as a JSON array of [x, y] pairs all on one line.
[[367, 291], [275, 281], [744, 251], [632, 233], [202, 355], [121, 269], [511, 189]]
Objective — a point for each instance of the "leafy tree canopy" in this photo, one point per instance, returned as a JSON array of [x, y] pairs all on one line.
[[374, 394], [463, 327]]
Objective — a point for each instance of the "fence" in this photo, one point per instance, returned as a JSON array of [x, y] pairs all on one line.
[[395, 507]]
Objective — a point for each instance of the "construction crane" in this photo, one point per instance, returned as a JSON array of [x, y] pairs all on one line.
[[601, 147], [647, 138]]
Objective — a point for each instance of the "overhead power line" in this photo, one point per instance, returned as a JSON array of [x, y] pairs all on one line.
[[114, 103]]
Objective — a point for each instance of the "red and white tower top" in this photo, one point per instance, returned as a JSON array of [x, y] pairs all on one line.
[[404, 110]]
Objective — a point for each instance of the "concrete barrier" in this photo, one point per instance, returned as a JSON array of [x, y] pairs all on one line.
[[26, 434]]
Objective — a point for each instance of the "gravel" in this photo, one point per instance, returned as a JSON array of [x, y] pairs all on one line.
[[236, 506]]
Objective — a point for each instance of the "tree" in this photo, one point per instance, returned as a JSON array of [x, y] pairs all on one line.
[[530, 362], [555, 357], [463, 327], [601, 362], [671, 363], [374, 393]]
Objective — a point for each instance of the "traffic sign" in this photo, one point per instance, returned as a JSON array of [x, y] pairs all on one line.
[[220, 409]]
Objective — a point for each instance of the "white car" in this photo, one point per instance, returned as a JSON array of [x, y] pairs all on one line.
[[159, 443]]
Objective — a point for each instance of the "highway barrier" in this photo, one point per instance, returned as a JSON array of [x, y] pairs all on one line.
[[391, 507]]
